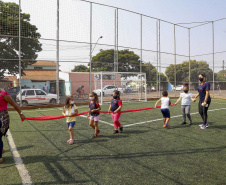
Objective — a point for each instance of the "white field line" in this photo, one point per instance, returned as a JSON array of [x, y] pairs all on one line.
[[23, 172], [99, 121], [171, 117]]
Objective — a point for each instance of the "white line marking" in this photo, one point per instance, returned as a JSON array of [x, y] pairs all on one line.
[[23, 172], [99, 121], [171, 117]]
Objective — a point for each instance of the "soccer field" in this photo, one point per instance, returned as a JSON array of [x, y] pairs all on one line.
[[146, 153]]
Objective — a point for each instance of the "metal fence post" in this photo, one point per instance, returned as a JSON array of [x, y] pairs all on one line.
[[175, 61], [157, 60], [57, 53], [141, 37], [189, 55], [213, 56], [20, 53], [90, 54]]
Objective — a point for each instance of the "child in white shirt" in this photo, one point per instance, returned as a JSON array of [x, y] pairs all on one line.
[[186, 98]]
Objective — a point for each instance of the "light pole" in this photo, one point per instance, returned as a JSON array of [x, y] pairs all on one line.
[[90, 65]]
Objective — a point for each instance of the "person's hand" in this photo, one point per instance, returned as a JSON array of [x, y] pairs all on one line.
[[88, 117], [194, 100], [92, 110], [22, 117], [204, 104], [175, 104], [109, 112]]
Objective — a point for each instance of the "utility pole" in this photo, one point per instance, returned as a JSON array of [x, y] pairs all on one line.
[[223, 65], [150, 73]]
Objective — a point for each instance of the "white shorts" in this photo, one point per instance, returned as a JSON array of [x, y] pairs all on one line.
[[95, 118]]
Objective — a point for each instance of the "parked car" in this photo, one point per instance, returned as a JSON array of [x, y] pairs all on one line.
[[179, 88], [33, 96], [14, 91], [108, 89]]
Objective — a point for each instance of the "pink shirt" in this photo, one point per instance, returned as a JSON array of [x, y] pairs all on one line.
[[3, 103]]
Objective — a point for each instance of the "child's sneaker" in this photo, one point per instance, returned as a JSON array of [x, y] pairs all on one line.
[[120, 129], [190, 122], [183, 123], [98, 132], [3, 151], [166, 126], [203, 127], [94, 136], [115, 132], [71, 141]]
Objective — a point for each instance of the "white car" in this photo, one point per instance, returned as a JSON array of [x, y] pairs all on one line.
[[108, 89], [34, 96], [179, 88]]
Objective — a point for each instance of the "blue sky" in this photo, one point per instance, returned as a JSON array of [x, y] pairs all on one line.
[[174, 10]]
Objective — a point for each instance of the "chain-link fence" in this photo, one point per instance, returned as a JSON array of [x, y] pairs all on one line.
[[50, 49]]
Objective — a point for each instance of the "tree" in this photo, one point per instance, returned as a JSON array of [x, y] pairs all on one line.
[[128, 61], [80, 68], [182, 71], [221, 79], [9, 39]]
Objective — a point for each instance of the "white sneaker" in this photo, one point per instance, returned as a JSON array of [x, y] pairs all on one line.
[[203, 124]]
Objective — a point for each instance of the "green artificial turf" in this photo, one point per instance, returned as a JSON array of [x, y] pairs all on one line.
[[144, 154]]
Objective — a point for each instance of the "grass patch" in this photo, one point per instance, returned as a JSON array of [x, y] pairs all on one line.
[[143, 154]]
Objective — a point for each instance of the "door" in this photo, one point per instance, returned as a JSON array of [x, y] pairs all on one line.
[[30, 97], [41, 96]]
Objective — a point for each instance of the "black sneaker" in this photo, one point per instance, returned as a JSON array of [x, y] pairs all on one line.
[[120, 129], [183, 123], [115, 132]]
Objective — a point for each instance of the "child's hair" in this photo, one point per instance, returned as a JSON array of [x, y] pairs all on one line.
[[67, 101], [95, 97], [117, 93], [164, 93], [186, 85]]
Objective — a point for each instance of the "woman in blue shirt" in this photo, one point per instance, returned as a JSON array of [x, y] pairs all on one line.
[[204, 99]]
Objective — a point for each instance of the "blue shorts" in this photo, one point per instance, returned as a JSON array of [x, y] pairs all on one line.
[[71, 124], [165, 113]]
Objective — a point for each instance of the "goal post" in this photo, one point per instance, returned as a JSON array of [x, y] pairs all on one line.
[[131, 85]]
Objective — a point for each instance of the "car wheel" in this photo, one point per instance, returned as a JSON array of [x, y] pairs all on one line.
[[24, 103], [53, 101]]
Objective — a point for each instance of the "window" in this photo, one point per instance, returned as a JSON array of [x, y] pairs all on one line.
[[39, 92], [23, 93], [30, 93], [37, 67]]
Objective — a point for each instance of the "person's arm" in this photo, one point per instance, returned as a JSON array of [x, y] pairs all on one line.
[[118, 109], [76, 112], [206, 97], [169, 102], [196, 96], [120, 106], [9, 99], [63, 112], [157, 102], [179, 99], [96, 110], [109, 110]]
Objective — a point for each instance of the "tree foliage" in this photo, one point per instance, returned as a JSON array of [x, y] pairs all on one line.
[[80, 68], [128, 61], [9, 39], [182, 71]]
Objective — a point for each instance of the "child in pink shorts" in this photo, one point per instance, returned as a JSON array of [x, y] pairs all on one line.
[[94, 115], [115, 107]]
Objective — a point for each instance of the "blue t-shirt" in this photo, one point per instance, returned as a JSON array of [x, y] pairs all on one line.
[[115, 103], [202, 91], [93, 106]]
